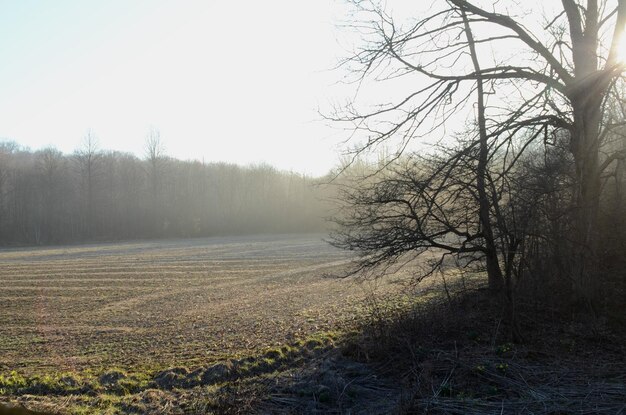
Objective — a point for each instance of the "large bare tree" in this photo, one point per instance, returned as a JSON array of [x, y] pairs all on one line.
[[543, 72]]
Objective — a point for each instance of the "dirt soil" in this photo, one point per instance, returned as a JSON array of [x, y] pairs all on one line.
[[168, 303]]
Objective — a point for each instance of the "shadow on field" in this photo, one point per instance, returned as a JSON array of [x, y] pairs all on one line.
[[455, 356], [18, 410], [432, 353], [443, 354]]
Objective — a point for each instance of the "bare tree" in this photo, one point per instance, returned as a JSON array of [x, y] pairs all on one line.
[[6, 151], [51, 169], [88, 158], [542, 81], [154, 148], [155, 156]]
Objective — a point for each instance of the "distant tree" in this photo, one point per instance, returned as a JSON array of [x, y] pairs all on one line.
[[132, 191], [88, 158], [51, 168], [155, 156], [154, 149], [7, 148]]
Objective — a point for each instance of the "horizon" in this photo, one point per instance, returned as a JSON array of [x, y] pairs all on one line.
[[220, 85], [142, 157]]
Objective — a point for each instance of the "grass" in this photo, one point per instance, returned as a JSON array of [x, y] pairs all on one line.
[[117, 391], [431, 356], [454, 356]]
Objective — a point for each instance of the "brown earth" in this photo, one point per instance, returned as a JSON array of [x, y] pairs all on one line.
[[168, 303]]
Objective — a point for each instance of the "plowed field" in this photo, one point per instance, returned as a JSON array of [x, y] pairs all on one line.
[[166, 303]]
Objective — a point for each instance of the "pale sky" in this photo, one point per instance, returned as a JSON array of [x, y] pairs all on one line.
[[239, 82], [222, 80]]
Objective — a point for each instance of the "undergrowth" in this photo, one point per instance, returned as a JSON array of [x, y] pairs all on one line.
[[454, 354]]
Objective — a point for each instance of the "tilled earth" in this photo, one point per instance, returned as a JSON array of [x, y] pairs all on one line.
[[168, 303]]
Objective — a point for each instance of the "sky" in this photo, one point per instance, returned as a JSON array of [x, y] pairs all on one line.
[[229, 81]]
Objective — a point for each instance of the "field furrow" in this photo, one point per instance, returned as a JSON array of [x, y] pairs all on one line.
[[158, 303]]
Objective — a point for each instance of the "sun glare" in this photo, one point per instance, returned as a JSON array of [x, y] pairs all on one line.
[[621, 50]]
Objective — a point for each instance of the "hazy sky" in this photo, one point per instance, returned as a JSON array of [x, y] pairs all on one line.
[[222, 80]]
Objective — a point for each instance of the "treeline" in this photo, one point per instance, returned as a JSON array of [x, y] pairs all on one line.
[[48, 197]]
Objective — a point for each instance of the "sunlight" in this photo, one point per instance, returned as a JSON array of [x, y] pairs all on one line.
[[621, 50]]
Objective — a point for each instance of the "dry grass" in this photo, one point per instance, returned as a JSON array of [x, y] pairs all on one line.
[[454, 356]]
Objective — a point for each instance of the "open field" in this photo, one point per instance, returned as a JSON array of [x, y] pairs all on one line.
[[165, 303], [259, 325]]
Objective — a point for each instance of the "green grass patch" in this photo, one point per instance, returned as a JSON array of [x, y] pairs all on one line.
[[115, 390]]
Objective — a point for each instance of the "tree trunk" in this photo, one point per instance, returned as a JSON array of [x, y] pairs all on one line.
[[586, 95], [586, 157], [494, 273]]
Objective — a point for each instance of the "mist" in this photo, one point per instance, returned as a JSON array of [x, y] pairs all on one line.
[[47, 197]]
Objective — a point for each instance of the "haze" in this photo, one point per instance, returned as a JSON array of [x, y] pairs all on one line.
[[222, 81]]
